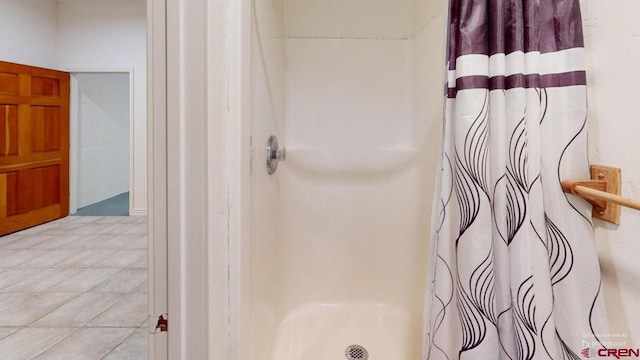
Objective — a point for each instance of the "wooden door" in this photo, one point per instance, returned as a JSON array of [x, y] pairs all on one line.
[[34, 146]]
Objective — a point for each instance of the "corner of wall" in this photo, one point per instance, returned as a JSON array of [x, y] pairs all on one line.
[[425, 12]]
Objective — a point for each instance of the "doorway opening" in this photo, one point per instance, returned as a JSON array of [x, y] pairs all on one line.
[[101, 143]]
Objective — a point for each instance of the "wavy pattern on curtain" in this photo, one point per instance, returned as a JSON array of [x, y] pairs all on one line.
[[515, 272]]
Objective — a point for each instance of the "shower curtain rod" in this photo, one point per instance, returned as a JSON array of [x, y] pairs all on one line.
[[603, 191]]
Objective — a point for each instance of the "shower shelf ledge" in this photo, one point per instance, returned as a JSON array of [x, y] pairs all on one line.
[[360, 162]]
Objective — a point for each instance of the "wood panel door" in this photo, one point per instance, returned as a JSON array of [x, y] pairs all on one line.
[[34, 146]]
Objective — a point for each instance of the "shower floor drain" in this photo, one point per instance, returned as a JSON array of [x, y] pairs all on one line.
[[356, 352]]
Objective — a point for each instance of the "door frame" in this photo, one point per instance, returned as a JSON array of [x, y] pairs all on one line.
[[197, 98], [75, 135], [157, 175]]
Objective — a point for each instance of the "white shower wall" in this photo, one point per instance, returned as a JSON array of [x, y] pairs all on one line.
[[339, 235], [260, 274], [347, 99], [355, 19]]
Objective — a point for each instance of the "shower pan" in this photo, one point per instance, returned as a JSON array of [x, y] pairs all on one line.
[[334, 245]]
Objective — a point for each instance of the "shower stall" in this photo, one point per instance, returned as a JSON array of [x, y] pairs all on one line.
[[334, 245]]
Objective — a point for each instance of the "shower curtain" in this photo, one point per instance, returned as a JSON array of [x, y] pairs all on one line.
[[514, 269]]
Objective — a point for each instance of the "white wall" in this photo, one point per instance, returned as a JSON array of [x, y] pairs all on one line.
[[103, 141], [612, 35], [374, 19], [28, 31], [111, 35]]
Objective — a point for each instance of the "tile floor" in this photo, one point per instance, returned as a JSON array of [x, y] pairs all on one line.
[[75, 288]]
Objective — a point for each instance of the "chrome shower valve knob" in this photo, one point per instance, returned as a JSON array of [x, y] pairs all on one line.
[[274, 154]]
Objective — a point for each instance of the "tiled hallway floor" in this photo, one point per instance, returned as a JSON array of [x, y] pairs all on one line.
[[75, 288]]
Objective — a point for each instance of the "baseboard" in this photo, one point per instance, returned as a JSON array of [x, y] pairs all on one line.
[[138, 212]]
